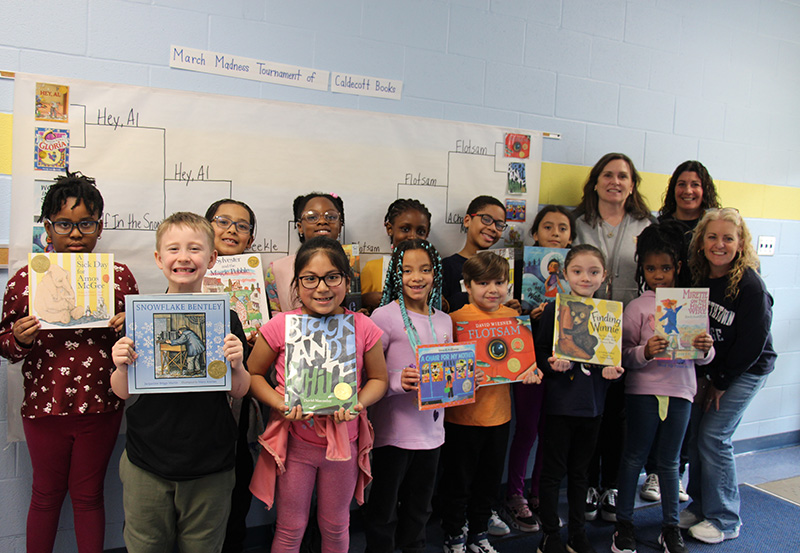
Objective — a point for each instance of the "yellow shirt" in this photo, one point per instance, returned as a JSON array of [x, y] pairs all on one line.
[[372, 275], [492, 405]]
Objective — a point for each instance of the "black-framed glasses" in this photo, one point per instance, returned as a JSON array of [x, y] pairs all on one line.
[[65, 227], [225, 223], [313, 216], [488, 220], [311, 282]]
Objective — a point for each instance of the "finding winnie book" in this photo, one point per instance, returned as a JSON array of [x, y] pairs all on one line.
[[178, 340], [542, 276], [504, 347], [681, 314], [446, 375], [242, 278], [320, 372], [71, 290], [588, 330]]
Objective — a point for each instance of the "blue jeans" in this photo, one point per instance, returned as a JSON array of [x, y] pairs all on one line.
[[712, 471], [643, 426]]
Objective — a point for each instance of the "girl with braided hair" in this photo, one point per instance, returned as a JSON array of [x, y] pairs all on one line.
[[407, 440]]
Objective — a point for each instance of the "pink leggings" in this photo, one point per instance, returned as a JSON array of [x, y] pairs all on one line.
[[336, 482], [69, 453]]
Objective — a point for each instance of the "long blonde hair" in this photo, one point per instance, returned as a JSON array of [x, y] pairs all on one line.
[[744, 259]]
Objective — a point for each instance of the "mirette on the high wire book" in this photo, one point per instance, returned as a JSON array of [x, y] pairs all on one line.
[[681, 314]]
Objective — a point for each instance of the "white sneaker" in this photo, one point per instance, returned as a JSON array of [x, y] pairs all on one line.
[[480, 544], [687, 519], [708, 533], [455, 544], [496, 526], [682, 495], [650, 489]]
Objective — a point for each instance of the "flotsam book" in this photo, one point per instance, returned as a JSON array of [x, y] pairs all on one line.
[[542, 275], [447, 375], [681, 314], [242, 278], [504, 347], [178, 340], [320, 371], [588, 330], [71, 290]]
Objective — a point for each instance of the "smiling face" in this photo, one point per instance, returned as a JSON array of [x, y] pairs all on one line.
[[417, 280], [721, 243], [659, 270], [184, 255], [487, 294], [585, 274], [688, 196], [230, 241], [74, 241], [322, 300], [409, 224], [479, 235], [321, 227], [553, 231], [614, 184]]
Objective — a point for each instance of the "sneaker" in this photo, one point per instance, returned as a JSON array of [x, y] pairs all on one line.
[[519, 514], [624, 539], [682, 495], [608, 505], [480, 544], [650, 490], [706, 532], [533, 503], [672, 540], [579, 543], [592, 502], [551, 543], [496, 526], [687, 519], [455, 544]]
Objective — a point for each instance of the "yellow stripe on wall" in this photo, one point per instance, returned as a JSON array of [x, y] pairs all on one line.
[[5, 143]]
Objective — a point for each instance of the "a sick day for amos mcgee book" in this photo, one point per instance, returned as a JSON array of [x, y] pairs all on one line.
[[588, 330], [320, 370], [71, 290], [504, 347], [447, 375], [681, 314], [178, 339]]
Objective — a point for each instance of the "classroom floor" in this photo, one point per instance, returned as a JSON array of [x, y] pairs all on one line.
[[753, 468]]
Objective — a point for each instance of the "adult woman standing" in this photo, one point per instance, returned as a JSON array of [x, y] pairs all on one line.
[[610, 216]]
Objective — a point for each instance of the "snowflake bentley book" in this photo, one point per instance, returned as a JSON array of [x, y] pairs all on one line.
[[588, 330]]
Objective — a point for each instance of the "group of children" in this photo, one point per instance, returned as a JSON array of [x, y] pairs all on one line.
[[178, 466]]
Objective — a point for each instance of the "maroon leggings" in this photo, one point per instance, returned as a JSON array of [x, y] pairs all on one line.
[[69, 453]]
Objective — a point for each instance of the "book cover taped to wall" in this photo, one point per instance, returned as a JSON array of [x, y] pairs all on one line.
[[504, 347], [52, 102], [588, 330], [447, 375], [71, 290], [681, 314], [542, 276], [242, 278], [51, 149], [178, 340], [320, 371]]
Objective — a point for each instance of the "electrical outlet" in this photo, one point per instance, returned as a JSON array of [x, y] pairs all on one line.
[[766, 245]]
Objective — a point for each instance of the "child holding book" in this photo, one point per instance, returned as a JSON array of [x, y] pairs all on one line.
[[177, 469], [69, 414], [476, 435], [302, 450], [407, 440], [553, 227], [658, 393], [574, 398]]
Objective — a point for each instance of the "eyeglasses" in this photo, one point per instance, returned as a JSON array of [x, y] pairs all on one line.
[[225, 223], [487, 220], [311, 282], [313, 216], [66, 227]]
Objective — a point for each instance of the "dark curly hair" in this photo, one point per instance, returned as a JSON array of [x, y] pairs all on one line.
[[72, 185], [709, 190], [665, 237], [299, 205]]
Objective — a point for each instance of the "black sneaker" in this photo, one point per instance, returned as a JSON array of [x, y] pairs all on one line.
[[608, 505], [624, 540], [672, 540], [551, 543], [592, 502], [579, 543]]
